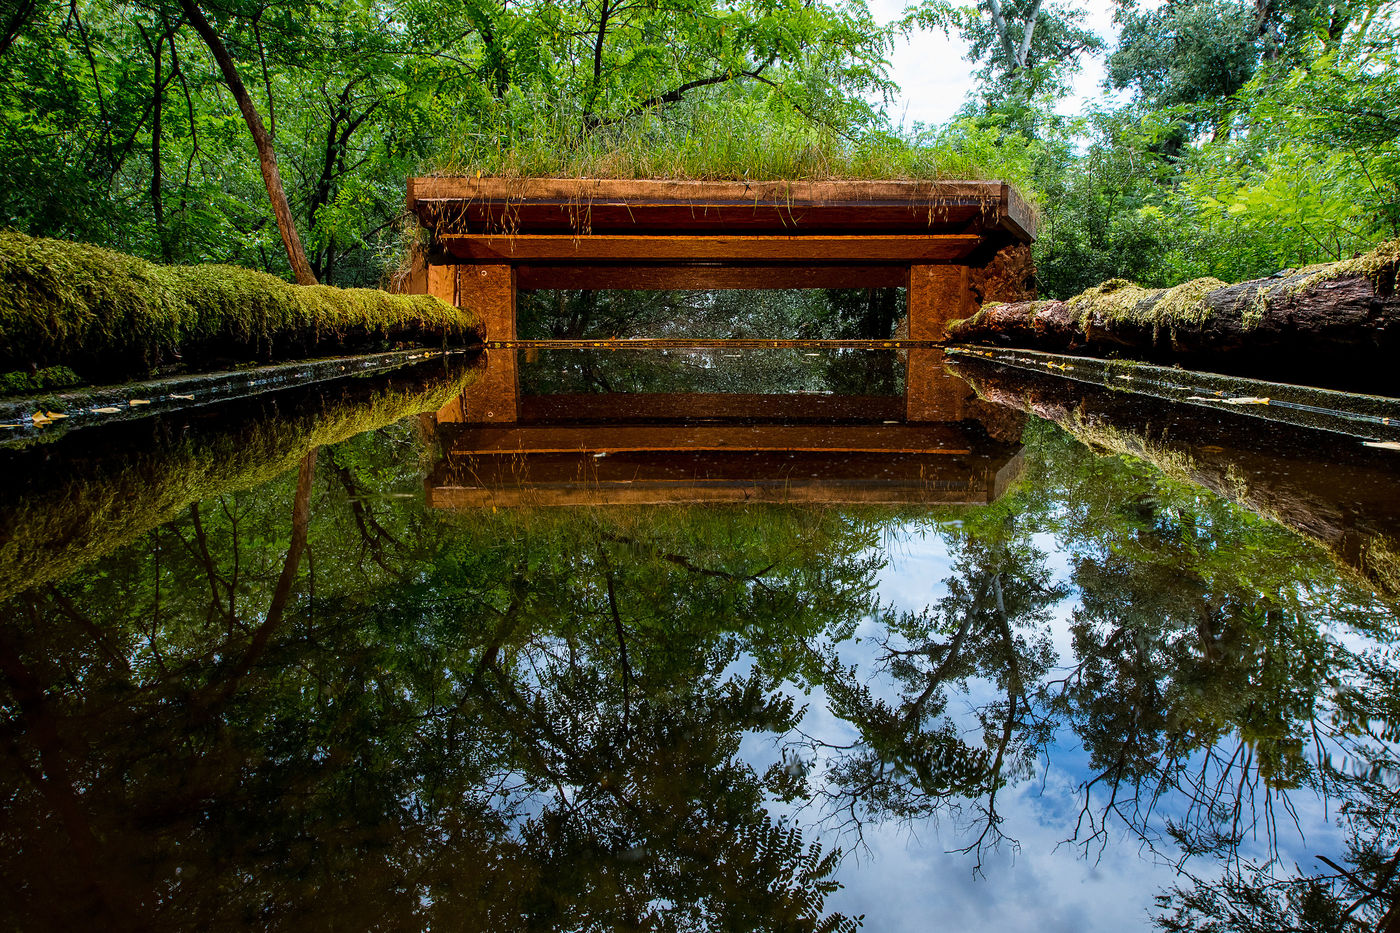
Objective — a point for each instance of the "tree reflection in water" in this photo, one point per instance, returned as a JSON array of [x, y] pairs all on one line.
[[494, 723], [534, 720]]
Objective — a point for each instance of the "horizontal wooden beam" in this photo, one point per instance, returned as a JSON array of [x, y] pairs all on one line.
[[661, 219], [1016, 216], [700, 492], [615, 247], [658, 406], [599, 205], [553, 479], [605, 439], [682, 276], [633, 191]]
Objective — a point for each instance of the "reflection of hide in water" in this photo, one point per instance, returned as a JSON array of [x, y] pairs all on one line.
[[94, 490], [502, 449], [1329, 488]]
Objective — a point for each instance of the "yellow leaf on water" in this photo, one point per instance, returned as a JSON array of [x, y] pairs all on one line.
[[1384, 445], [106, 411], [188, 398], [139, 401]]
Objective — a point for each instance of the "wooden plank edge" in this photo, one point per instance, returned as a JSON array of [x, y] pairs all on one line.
[[668, 492], [670, 248], [667, 192], [679, 276]]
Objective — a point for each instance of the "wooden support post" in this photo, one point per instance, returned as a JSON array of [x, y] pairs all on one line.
[[931, 393], [489, 290], [486, 288], [937, 295], [442, 282]]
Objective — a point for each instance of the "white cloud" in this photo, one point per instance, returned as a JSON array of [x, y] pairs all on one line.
[[935, 77], [906, 879], [910, 883]]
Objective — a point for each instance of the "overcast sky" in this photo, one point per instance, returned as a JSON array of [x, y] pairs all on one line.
[[934, 77]]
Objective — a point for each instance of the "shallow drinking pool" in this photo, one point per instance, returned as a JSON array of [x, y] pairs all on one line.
[[706, 639]]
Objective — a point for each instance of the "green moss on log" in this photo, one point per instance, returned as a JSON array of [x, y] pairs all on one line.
[[1334, 325], [109, 316], [1160, 308], [1379, 265], [50, 379], [1185, 305]]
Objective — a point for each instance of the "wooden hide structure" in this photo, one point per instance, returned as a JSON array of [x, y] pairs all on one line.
[[947, 243], [673, 448]]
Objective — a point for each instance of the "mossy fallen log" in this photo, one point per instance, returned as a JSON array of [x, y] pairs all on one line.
[[75, 500], [1336, 323], [107, 316]]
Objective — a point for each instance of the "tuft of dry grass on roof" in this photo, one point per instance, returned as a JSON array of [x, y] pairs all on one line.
[[703, 144]]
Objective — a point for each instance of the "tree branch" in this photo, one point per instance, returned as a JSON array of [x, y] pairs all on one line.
[[267, 155]]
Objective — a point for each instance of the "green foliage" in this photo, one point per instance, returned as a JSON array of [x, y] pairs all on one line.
[[111, 316], [1250, 145], [1190, 56], [1314, 176], [116, 126], [43, 380], [1257, 136], [750, 313]]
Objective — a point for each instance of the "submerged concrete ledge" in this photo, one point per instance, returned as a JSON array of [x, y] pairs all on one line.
[[72, 498], [25, 418], [1373, 418]]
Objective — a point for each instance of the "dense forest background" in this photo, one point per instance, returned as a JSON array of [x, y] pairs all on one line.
[[1249, 136]]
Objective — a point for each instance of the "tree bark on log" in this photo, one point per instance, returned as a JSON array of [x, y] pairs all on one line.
[[267, 155], [1336, 320]]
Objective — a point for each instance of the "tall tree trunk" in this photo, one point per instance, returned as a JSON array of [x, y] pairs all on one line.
[[228, 685], [1016, 54], [267, 156], [158, 83]]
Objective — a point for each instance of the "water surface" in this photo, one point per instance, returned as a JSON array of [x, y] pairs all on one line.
[[706, 640]]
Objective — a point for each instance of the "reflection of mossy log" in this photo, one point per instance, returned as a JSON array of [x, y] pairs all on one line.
[[1334, 319], [74, 501], [111, 316], [1334, 492]]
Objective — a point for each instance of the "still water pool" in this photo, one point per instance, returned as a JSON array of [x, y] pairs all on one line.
[[760, 640]]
